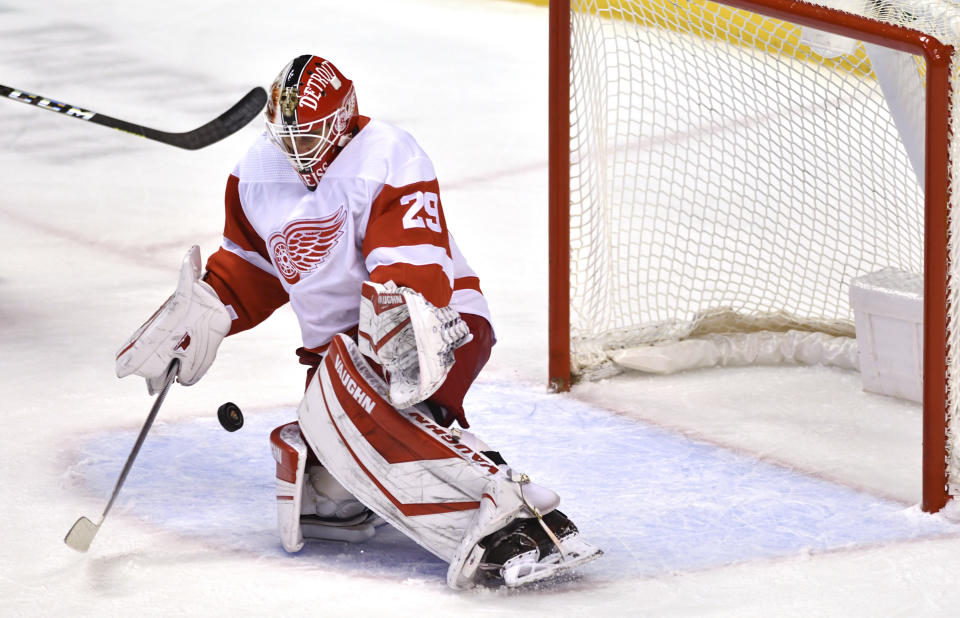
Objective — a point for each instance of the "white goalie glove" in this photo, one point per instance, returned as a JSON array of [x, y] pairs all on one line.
[[189, 326], [412, 339]]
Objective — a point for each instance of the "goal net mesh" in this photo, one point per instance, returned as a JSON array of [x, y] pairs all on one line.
[[734, 172]]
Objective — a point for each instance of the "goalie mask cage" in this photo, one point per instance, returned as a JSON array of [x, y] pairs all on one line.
[[747, 160]]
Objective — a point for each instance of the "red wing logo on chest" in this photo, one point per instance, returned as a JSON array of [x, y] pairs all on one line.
[[304, 245]]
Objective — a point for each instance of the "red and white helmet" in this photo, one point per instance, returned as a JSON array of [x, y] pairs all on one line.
[[311, 115]]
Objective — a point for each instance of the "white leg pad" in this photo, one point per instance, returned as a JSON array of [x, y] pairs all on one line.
[[416, 475], [290, 453]]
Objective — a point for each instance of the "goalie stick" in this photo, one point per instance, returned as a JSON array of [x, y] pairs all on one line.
[[228, 123], [81, 534]]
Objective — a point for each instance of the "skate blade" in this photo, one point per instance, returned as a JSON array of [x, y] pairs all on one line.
[[578, 553]]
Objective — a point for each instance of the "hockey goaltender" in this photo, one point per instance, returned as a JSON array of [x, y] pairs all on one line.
[[340, 215]]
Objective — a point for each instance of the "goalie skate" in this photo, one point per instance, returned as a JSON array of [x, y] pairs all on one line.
[[523, 552]]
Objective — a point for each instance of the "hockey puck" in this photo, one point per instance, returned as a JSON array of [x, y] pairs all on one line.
[[230, 416]]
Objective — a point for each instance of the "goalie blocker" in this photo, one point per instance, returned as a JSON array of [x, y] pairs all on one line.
[[435, 485]]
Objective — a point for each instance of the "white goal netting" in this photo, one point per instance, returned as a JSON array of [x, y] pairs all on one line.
[[734, 173]]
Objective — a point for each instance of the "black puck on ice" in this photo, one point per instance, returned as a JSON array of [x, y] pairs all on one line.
[[230, 416]]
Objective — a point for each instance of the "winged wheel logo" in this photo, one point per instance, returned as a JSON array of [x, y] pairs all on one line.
[[304, 245]]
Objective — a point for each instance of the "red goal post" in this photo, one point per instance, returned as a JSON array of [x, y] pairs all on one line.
[[936, 207]]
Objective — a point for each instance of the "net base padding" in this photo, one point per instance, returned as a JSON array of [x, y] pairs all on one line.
[[720, 337], [741, 349]]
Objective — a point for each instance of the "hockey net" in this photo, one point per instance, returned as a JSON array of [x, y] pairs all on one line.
[[725, 169]]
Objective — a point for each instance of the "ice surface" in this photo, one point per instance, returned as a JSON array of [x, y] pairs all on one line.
[[656, 502], [748, 492]]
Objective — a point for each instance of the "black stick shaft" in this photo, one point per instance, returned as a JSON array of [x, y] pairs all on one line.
[[224, 125], [171, 376]]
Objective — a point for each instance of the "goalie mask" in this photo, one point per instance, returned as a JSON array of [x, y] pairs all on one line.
[[311, 115]]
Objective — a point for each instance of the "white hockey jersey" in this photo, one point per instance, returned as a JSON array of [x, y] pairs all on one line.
[[375, 215]]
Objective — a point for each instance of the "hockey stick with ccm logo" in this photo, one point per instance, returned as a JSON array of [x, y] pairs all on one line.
[[228, 123], [82, 532]]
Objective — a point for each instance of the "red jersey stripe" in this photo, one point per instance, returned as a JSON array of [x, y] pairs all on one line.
[[467, 283], [429, 280], [253, 293], [237, 228]]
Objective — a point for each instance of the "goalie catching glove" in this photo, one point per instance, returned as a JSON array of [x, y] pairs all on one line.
[[412, 339], [189, 326]]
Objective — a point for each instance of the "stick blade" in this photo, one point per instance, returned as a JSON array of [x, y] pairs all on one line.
[[81, 534], [225, 125]]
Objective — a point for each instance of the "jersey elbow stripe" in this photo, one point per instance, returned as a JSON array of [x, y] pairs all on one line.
[[428, 280], [236, 226], [467, 283], [415, 255], [253, 257]]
